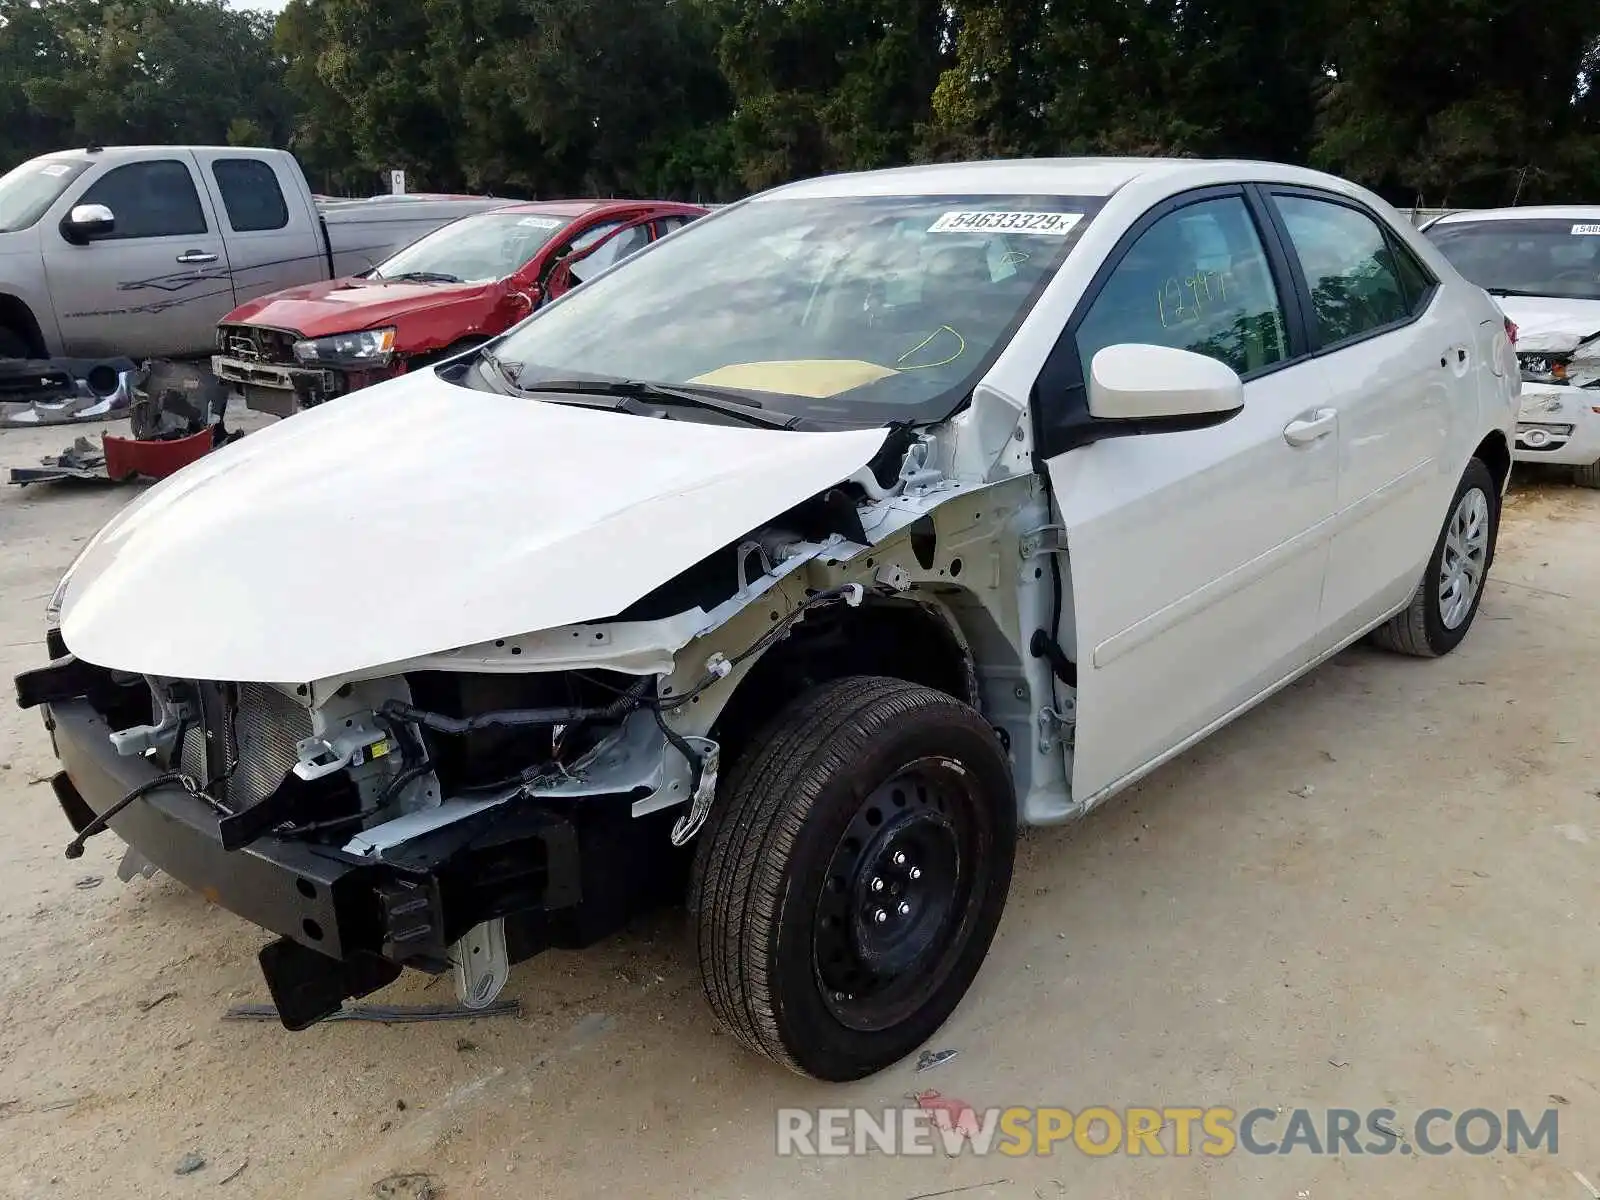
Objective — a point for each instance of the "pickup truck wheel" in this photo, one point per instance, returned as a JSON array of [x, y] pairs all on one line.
[[849, 882], [1447, 599]]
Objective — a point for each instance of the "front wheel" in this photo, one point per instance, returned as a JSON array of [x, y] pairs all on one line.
[[846, 889], [1446, 601]]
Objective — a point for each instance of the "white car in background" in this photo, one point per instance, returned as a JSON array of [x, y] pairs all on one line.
[[1543, 265], [832, 537]]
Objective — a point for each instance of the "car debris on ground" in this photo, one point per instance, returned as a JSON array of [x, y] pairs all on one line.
[[386, 1014], [176, 418], [63, 391]]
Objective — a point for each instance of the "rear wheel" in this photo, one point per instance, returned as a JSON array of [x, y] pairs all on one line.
[[846, 889], [1447, 599]]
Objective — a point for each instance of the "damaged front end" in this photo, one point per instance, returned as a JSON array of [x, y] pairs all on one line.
[[446, 820], [434, 821], [1559, 419], [459, 810]]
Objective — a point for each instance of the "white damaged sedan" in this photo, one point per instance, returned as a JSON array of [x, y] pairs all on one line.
[[791, 564], [1543, 265]]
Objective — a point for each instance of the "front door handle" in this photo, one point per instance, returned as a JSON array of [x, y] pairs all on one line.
[[1305, 430], [196, 256]]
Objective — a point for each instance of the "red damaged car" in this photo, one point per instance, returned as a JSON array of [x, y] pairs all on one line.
[[458, 286]]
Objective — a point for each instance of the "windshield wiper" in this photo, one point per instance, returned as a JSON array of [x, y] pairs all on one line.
[[1515, 292], [422, 277], [748, 411], [505, 372]]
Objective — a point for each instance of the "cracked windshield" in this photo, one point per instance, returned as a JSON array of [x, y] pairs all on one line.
[[843, 308]]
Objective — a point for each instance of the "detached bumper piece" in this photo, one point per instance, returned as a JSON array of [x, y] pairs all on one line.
[[117, 460], [176, 418], [347, 925], [60, 391]]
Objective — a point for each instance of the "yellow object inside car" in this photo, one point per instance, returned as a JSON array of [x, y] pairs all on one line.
[[815, 377]]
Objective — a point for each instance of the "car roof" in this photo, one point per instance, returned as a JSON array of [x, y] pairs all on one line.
[[1529, 212], [1047, 176]]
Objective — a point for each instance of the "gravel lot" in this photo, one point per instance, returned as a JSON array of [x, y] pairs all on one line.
[[1379, 889]]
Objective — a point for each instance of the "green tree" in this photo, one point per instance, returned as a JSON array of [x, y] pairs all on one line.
[[1485, 102], [140, 71], [828, 85], [1234, 77]]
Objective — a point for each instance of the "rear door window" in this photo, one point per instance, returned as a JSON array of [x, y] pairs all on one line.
[[149, 199], [1349, 268], [250, 194]]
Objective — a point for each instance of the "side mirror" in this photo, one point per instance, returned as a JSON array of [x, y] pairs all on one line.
[[1162, 388], [86, 222]]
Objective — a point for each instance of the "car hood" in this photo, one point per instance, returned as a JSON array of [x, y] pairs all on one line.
[[346, 305], [415, 517], [1551, 325]]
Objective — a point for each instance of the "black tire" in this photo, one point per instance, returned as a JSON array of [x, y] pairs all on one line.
[[1588, 477], [13, 344], [864, 777], [1421, 629]]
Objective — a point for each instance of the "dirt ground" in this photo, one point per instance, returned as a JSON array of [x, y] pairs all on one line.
[[1378, 889]]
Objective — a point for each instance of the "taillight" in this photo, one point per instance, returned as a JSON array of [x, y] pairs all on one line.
[[1511, 331]]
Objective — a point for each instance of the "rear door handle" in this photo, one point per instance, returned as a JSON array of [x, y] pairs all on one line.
[[196, 256], [1304, 430]]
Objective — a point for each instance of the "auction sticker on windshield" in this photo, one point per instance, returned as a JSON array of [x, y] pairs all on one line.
[[539, 222], [1590, 230], [1043, 224]]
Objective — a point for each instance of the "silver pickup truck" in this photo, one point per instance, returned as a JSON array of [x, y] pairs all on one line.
[[140, 250]]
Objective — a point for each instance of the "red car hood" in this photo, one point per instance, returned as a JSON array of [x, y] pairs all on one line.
[[345, 305]]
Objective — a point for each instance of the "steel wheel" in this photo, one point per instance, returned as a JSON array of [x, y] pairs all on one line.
[[898, 882], [852, 875], [1465, 558]]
